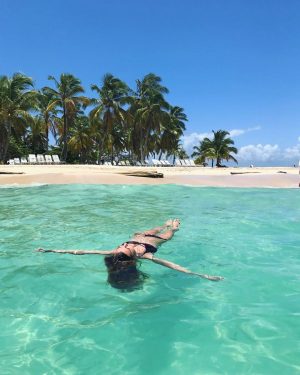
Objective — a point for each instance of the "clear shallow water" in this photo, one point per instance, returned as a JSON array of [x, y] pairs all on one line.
[[58, 315]]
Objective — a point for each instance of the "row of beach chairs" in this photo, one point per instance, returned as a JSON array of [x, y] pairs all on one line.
[[54, 159], [178, 163], [35, 159], [185, 163], [154, 163], [126, 163]]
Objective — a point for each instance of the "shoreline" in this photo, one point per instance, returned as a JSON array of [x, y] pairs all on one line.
[[267, 177]]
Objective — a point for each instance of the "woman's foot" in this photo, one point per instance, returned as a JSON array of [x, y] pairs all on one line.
[[169, 223], [176, 224]]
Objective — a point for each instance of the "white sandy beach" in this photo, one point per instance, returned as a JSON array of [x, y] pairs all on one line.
[[198, 176]]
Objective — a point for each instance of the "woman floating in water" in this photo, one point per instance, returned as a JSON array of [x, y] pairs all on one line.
[[121, 262]]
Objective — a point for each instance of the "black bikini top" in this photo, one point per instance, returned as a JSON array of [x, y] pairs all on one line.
[[149, 248]]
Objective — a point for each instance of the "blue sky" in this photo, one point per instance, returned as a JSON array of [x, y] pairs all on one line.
[[231, 65]]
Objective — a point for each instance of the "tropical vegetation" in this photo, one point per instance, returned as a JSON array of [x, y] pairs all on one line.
[[219, 148], [117, 122]]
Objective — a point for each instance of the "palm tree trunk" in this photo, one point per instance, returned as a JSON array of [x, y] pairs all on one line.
[[65, 149], [4, 141], [146, 146], [100, 150], [112, 152], [212, 163], [3, 144], [141, 144], [47, 136]]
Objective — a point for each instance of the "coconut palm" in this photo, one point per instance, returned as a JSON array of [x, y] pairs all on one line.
[[219, 148], [66, 97], [36, 138], [17, 98], [205, 151], [109, 111], [173, 129], [47, 114], [80, 142], [149, 110]]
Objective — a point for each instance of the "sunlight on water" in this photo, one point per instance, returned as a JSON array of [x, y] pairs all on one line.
[[60, 316]]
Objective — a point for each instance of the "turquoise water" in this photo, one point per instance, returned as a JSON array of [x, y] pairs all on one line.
[[59, 315]]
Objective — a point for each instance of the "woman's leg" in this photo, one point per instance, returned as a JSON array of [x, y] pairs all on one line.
[[158, 229], [169, 233]]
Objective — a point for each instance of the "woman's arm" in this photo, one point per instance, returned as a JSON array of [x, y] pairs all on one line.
[[176, 267], [78, 252]]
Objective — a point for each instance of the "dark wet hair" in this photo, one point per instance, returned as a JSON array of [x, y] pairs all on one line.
[[124, 275]]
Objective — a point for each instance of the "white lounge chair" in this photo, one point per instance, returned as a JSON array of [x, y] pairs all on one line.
[[192, 163], [122, 163], [32, 159], [158, 163], [11, 162], [24, 160], [48, 159], [167, 163], [17, 161], [185, 162], [40, 159], [56, 159], [178, 163]]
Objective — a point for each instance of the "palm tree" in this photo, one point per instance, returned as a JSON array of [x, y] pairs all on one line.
[[205, 151], [66, 96], [81, 141], [17, 99], [224, 147], [109, 111], [36, 138], [219, 148], [149, 111], [47, 114], [173, 129]]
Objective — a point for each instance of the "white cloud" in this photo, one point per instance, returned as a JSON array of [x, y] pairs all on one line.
[[267, 153], [237, 132], [191, 140], [292, 152], [259, 152]]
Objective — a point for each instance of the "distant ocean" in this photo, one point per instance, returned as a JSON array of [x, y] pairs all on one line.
[[59, 315]]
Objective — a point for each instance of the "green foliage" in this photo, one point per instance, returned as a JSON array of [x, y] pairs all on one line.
[[65, 97], [137, 122], [17, 100], [219, 148], [17, 148]]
